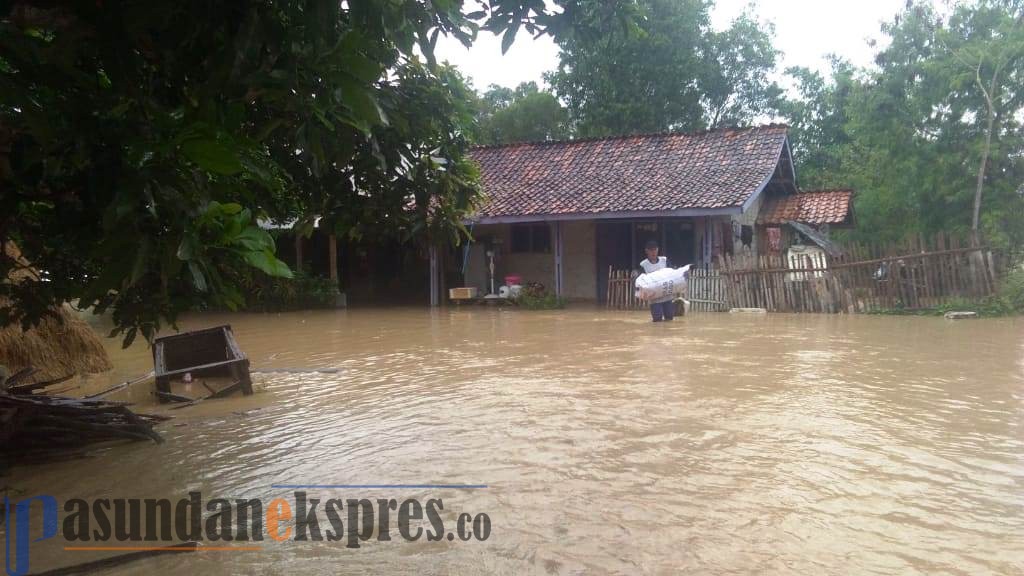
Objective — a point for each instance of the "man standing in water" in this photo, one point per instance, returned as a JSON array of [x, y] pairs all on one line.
[[662, 308]]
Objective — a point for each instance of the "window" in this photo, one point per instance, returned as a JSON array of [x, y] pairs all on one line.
[[531, 238]]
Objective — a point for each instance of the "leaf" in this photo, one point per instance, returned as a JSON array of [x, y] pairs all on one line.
[[358, 99], [268, 263], [508, 38], [323, 119], [362, 68], [232, 298], [254, 239], [198, 279], [212, 156], [129, 337]]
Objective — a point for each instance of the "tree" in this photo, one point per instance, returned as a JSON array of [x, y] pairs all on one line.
[[525, 114], [817, 119], [737, 87], [664, 69], [140, 142], [912, 134], [989, 42]]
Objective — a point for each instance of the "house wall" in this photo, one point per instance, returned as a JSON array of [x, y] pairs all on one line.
[[579, 260], [476, 263], [579, 271], [748, 218], [579, 274], [709, 233], [533, 267], [708, 236]]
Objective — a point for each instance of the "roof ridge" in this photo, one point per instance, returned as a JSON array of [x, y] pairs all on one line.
[[825, 190], [637, 135]]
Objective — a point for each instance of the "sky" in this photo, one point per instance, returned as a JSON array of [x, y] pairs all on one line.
[[806, 31]]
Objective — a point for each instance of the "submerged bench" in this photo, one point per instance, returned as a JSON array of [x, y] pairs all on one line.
[[211, 352]]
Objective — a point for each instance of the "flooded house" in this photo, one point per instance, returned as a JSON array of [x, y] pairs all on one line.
[[564, 213]]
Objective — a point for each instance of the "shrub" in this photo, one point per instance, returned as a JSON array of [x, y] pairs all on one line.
[[1011, 292], [264, 293], [535, 297]]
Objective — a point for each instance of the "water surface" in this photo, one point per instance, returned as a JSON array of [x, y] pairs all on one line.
[[725, 444]]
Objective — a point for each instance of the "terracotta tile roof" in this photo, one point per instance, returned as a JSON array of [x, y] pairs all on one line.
[[719, 168], [809, 207]]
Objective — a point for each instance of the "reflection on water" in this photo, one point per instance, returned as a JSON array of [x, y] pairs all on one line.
[[719, 444]]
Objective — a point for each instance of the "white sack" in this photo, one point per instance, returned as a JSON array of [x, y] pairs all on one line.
[[664, 283]]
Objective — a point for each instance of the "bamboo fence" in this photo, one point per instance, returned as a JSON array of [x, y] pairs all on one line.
[[912, 274]]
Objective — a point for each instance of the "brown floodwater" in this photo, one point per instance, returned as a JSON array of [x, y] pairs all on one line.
[[724, 444]]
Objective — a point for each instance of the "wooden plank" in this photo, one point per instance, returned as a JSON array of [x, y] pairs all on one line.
[[121, 386], [227, 390], [172, 397], [608, 289]]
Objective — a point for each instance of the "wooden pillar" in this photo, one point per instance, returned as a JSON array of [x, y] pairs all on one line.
[[709, 239], [559, 288], [298, 252], [442, 283], [332, 256], [435, 291], [633, 256], [662, 227]]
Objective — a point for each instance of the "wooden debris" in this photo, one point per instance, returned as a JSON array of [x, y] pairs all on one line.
[[227, 391], [211, 352], [172, 397], [185, 401], [122, 386], [14, 380], [40, 425]]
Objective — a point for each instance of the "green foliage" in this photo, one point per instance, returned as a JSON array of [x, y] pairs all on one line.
[[992, 307], [526, 114], [909, 135], [535, 296], [263, 293], [1007, 301], [1011, 292], [545, 301], [659, 65], [123, 123]]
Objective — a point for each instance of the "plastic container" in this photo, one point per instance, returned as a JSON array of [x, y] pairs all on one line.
[[513, 279]]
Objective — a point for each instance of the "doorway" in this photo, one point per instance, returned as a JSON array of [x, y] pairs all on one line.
[[614, 240], [675, 240], [620, 245]]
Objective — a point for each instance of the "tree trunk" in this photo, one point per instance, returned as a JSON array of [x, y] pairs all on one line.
[[975, 239]]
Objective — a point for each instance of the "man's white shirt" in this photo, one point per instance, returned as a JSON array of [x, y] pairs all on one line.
[[649, 266]]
